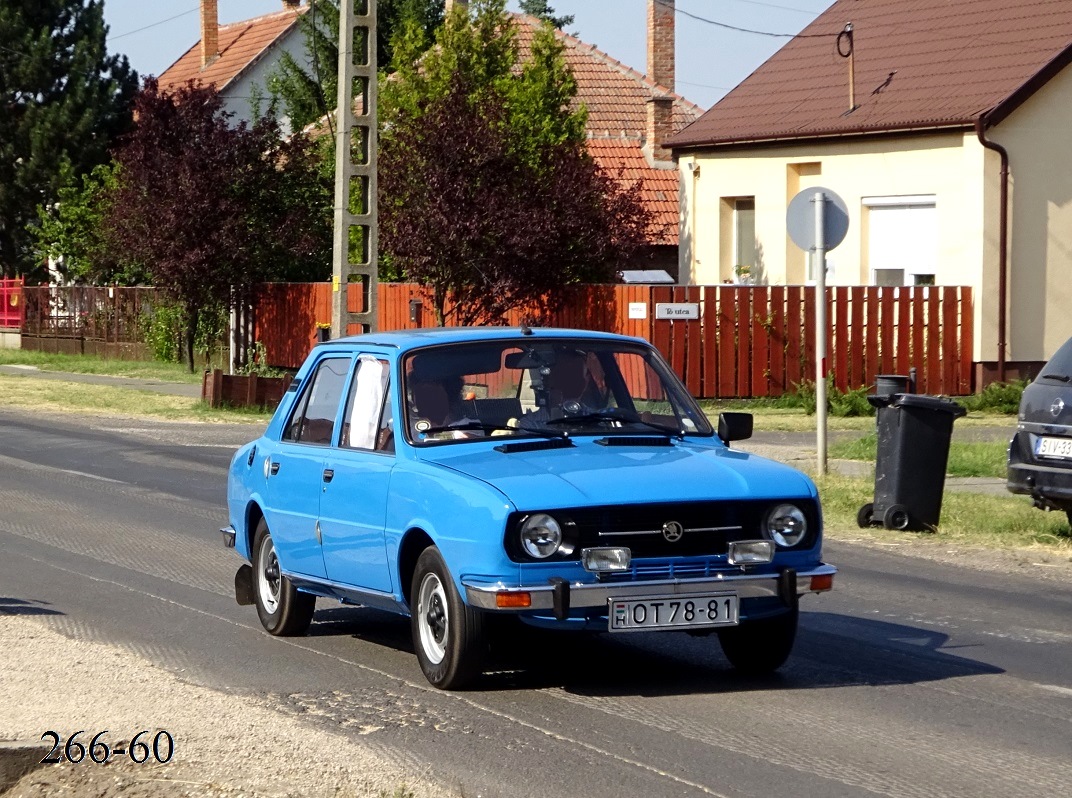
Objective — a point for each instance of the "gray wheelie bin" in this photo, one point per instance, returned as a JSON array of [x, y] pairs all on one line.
[[914, 431]]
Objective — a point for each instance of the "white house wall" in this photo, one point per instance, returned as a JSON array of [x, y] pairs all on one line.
[[237, 95]]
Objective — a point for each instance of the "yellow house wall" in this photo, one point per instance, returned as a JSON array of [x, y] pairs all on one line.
[[1037, 137], [947, 165]]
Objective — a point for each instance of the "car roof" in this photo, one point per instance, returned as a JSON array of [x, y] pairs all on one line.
[[404, 340]]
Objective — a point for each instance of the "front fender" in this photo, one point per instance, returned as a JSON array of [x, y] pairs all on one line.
[[463, 516]]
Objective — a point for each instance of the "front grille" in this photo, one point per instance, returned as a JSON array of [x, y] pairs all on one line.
[[707, 528]]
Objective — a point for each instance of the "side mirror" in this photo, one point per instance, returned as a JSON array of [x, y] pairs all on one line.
[[734, 427]]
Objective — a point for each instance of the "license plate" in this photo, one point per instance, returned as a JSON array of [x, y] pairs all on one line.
[[674, 612], [1053, 447]]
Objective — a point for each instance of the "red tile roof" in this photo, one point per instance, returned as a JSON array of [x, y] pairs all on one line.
[[240, 43], [625, 161], [919, 64], [616, 97]]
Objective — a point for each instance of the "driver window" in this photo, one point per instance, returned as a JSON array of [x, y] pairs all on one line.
[[314, 417], [368, 419]]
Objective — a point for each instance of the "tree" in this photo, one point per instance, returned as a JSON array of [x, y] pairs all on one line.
[[207, 206], [543, 10], [308, 91], [63, 100], [71, 231], [487, 193]]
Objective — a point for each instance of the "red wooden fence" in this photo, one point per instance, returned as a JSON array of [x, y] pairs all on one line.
[[747, 342]]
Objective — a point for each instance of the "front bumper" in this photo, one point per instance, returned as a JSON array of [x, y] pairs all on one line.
[[228, 534], [561, 596]]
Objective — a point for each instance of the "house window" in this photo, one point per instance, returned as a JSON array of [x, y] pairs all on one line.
[[902, 237], [744, 229]]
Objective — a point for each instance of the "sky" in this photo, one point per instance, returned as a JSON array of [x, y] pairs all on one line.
[[711, 59]]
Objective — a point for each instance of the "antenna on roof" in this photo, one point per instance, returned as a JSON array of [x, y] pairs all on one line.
[[847, 52]]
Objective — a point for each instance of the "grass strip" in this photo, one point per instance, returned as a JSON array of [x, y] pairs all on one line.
[[966, 458], [87, 364], [975, 519], [63, 397]]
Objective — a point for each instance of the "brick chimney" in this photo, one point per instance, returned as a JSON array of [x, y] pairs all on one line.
[[291, 4], [210, 32], [660, 127], [661, 42], [660, 106]]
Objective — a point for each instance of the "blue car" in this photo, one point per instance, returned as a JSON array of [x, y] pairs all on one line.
[[562, 477]]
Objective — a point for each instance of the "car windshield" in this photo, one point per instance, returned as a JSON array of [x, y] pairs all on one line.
[[549, 387]]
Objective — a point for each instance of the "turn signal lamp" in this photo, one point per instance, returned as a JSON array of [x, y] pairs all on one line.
[[821, 583], [513, 600]]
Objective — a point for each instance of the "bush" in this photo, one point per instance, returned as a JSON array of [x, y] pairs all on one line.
[[163, 329], [997, 397], [838, 403]]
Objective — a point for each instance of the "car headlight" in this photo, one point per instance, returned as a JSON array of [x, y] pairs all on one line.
[[787, 525], [541, 535]]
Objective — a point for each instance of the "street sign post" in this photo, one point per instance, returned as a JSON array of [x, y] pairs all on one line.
[[817, 221]]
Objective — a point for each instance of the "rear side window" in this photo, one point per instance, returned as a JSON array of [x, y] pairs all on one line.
[[313, 420]]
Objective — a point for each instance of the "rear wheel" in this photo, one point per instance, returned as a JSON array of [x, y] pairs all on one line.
[[758, 647], [282, 609], [448, 635], [896, 517]]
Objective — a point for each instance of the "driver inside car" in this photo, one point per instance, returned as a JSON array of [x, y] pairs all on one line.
[[434, 403], [572, 388]]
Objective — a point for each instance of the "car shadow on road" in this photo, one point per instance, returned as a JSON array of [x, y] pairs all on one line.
[[832, 650], [16, 606]]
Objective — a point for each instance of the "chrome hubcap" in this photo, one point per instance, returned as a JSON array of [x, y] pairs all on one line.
[[433, 622], [270, 580]]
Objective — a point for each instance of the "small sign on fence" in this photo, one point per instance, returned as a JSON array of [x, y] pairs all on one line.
[[677, 310], [638, 310]]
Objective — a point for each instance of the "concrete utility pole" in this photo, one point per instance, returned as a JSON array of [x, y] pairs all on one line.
[[355, 169]]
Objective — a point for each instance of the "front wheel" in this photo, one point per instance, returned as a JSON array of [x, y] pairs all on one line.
[[762, 646], [283, 610], [447, 634]]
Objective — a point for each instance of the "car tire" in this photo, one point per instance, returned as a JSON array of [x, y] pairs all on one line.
[[865, 516], [762, 646], [896, 517], [448, 635], [283, 610]]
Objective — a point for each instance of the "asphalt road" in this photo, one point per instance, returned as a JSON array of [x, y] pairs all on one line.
[[913, 678]]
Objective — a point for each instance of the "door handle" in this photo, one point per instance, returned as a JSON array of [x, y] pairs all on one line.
[[274, 468], [329, 474]]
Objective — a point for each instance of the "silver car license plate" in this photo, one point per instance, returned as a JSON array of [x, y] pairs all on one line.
[[1053, 447], [674, 612]]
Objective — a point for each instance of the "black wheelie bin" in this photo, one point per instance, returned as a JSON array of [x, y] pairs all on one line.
[[914, 431]]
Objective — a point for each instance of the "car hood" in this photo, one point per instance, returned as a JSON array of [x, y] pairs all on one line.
[[590, 474]]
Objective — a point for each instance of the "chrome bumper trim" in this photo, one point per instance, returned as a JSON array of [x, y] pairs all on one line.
[[228, 533], [597, 594]]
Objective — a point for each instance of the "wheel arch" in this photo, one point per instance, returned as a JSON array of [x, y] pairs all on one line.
[[254, 514], [414, 542]]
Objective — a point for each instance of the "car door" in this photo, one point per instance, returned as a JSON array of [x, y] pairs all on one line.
[[295, 470], [353, 502]]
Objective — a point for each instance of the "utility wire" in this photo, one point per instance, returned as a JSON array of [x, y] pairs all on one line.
[[727, 26], [153, 25]]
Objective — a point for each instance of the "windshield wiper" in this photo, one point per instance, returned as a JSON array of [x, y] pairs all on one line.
[[607, 415], [1061, 377], [481, 426]]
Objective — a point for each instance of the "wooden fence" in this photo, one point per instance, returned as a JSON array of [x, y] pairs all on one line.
[[747, 342]]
